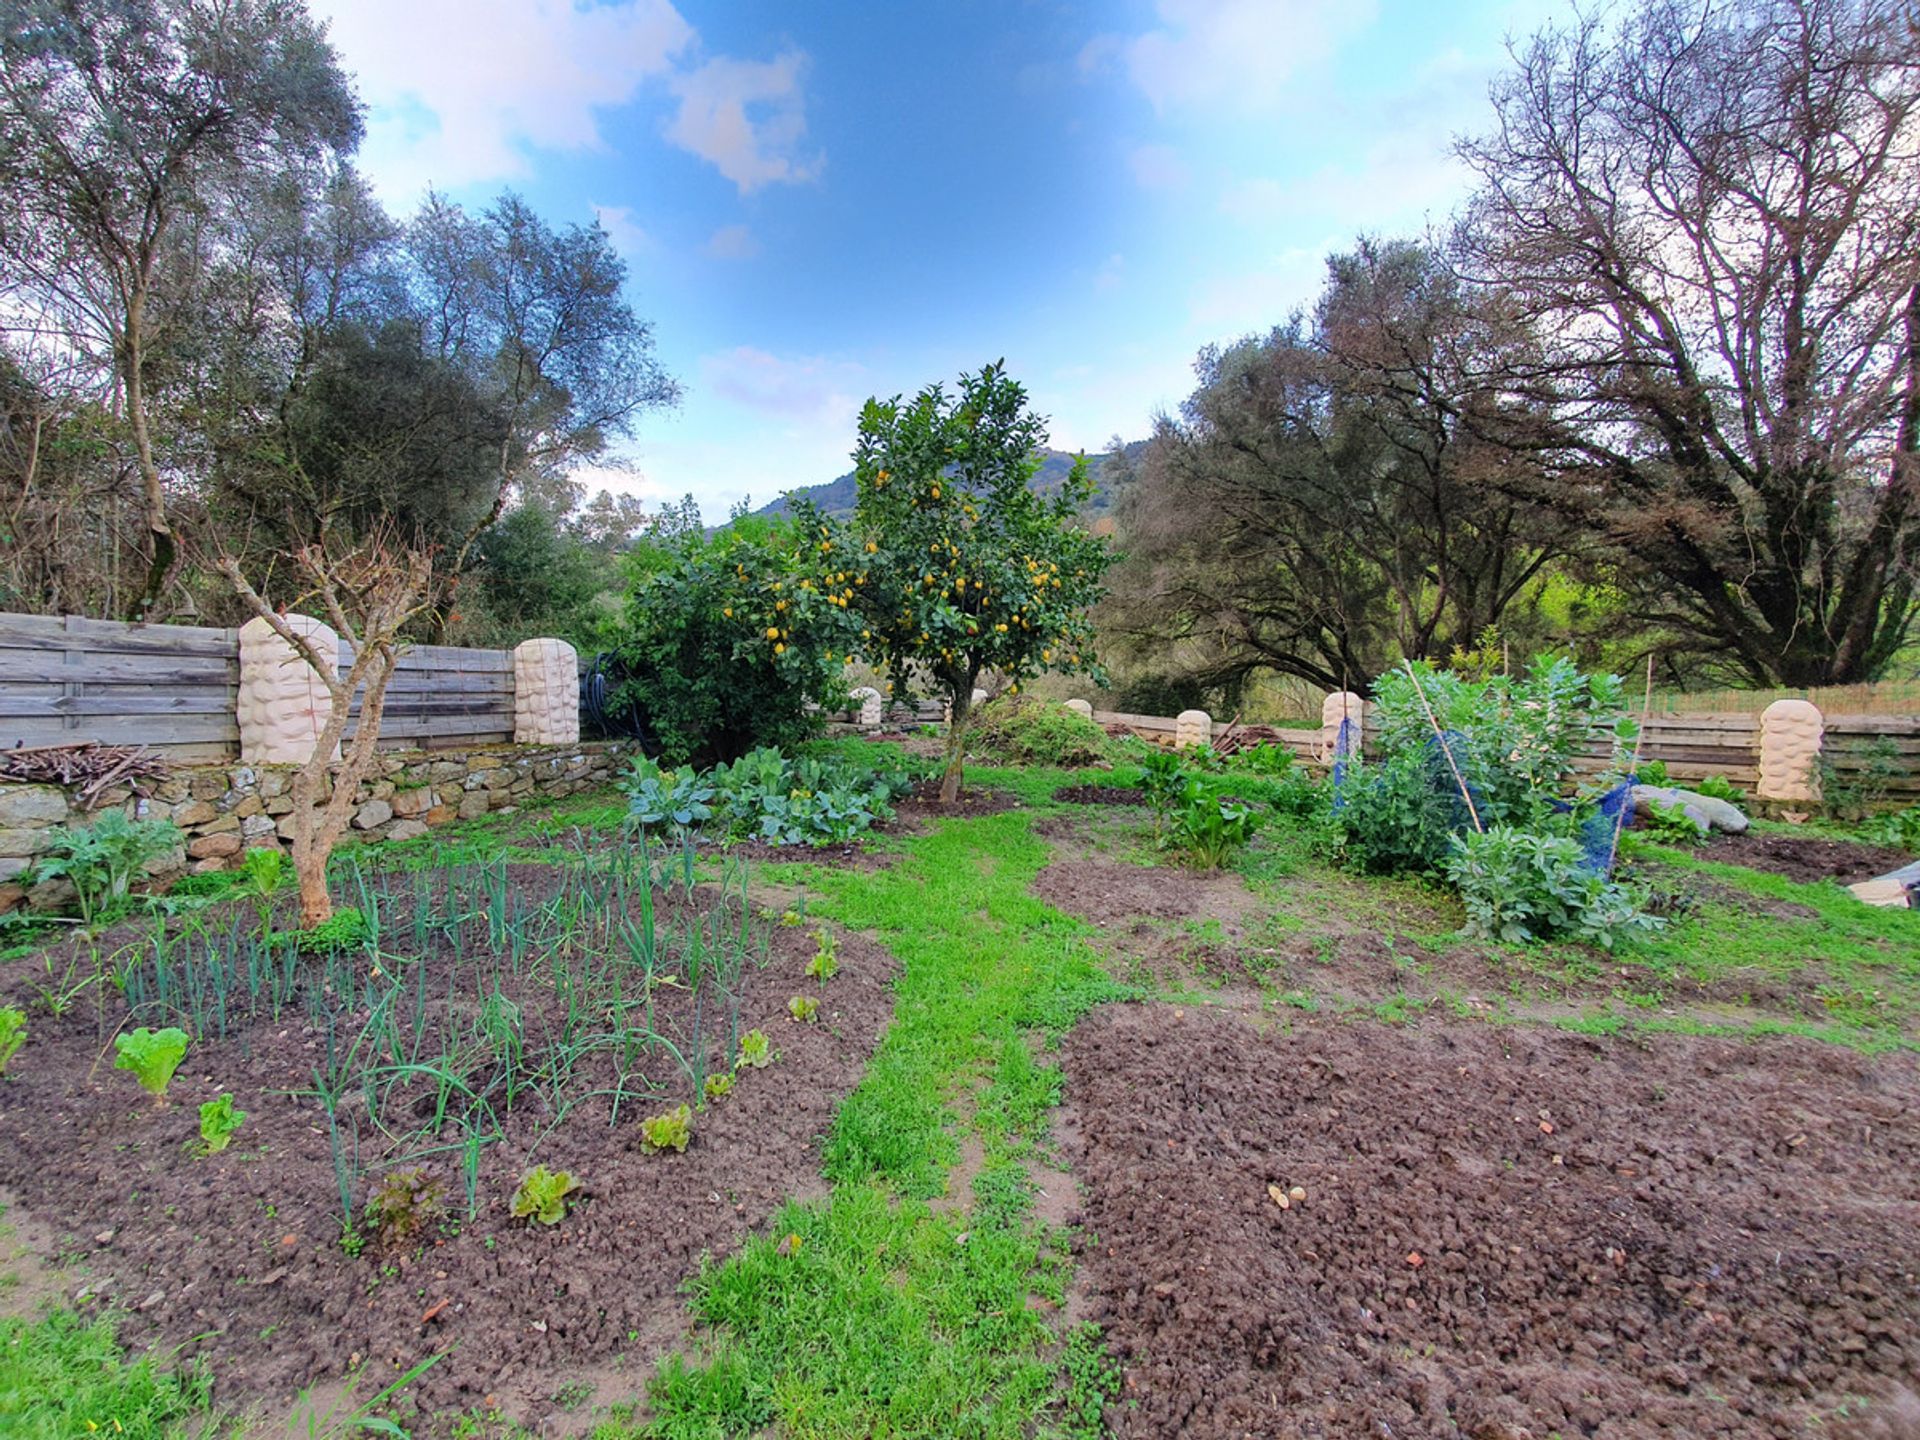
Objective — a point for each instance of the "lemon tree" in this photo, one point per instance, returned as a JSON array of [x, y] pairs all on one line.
[[958, 569]]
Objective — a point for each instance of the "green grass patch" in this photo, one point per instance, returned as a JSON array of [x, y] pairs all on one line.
[[63, 1376], [876, 1312]]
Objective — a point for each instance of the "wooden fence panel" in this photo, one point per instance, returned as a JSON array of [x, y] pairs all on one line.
[[65, 678], [442, 697]]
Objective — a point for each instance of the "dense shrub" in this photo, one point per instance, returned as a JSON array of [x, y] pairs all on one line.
[[1520, 848], [726, 639], [1039, 732], [766, 796], [1519, 886], [1510, 741]]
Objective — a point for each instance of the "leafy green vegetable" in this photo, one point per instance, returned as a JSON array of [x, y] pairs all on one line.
[[152, 1056], [669, 1130], [803, 1008], [102, 860], [825, 963], [719, 1085], [342, 930], [404, 1204], [543, 1195], [1519, 886], [755, 1052], [13, 1034], [218, 1121]]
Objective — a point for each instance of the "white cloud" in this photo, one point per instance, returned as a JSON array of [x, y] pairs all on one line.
[[623, 230], [623, 479], [1399, 183], [1228, 306], [462, 90], [732, 242], [1238, 54], [1158, 167], [803, 388], [748, 119]]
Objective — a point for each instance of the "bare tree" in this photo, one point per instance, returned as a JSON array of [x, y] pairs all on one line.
[[367, 594], [1710, 215]]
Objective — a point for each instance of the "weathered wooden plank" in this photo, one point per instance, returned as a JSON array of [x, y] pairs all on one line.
[[114, 636], [156, 730], [49, 667], [116, 702]]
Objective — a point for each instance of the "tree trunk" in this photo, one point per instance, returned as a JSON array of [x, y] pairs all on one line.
[[159, 533], [316, 905], [961, 713]]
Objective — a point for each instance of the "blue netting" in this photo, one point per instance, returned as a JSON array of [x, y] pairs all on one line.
[[1346, 747], [1600, 833]]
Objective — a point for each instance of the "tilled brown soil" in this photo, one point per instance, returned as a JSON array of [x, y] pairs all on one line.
[[1805, 858], [1504, 1233], [1107, 892], [238, 1256]]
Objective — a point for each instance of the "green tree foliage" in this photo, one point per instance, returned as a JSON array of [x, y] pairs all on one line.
[[124, 125], [959, 570], [728, 636], [536, 576], [1326, 502]]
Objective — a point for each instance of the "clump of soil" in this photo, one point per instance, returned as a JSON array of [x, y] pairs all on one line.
[[238, 1256], [1108, 892], [1101, 795], [1805, 858], [925, 802], [1503, 1232]]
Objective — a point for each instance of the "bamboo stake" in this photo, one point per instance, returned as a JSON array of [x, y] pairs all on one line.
[[1633, 765], [1445, 749]]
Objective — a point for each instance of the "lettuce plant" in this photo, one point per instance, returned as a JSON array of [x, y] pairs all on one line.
[[218, 1121], [152, 1056], [804, 1008], [669, 1130], [13, 1034], [543, 1195], [826, 959], [755, 1052], [719, 1085]]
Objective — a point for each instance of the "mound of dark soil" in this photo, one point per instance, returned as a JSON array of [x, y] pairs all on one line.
[[237, 1256], [1504, 1233], [1805, 858]]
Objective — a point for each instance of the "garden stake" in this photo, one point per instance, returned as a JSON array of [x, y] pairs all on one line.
[[1446, 750], [1633, 766]]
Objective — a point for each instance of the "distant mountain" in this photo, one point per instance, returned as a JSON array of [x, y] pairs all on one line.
[[836, 497]]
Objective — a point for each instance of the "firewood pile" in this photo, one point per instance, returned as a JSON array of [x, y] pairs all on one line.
[[1245, 737], [87, 768]]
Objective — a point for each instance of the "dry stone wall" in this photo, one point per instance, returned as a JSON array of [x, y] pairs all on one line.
[[223, 810]]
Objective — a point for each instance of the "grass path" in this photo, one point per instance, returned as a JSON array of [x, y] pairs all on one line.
[[874, 1312]]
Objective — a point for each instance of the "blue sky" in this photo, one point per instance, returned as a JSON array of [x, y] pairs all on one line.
[[823, 201]]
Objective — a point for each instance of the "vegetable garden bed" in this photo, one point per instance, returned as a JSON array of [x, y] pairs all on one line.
[[239, 1257]]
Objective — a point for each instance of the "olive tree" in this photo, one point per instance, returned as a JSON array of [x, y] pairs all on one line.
[[119, 121]]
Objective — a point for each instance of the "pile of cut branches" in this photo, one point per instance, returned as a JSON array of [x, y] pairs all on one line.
[[87, 768]]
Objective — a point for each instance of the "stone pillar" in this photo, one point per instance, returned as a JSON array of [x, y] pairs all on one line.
[[1079, 707], [1341, 705], [283, 705], [1192, 727], [546, 693], [1790, 735], [869, 707]]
